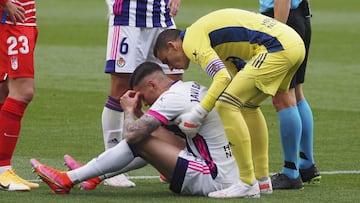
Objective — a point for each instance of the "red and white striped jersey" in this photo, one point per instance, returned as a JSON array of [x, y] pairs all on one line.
[[30, 13]]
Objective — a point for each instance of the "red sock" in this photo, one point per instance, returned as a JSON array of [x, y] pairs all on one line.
[[10, 123]]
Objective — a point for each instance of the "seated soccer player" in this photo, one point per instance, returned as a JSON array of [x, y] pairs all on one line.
[[204, 166]]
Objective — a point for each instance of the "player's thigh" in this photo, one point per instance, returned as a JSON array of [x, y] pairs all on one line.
[[273, 72], [268, 71], [171, 134], [244, 90], [160, 154], [119, 84], [21, 89], [295, 65]]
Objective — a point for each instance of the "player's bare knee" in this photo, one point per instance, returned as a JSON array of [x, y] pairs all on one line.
[[282, 102], [24, 95], [28, 95]]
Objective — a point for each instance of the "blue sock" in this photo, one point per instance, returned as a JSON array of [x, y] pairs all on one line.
[[307, 137], [290, 132]]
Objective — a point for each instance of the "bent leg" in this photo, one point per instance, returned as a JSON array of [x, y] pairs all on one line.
[[290, 131], [21, 91], [159, 154], [111, 160], [112, 119], [241, 93], [113, 115], [138, 162], [161, 150], [307, 137], [238, 135], [256, 123]]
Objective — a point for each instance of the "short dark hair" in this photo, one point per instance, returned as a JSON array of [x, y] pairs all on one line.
[[143, 70], [164, 37]]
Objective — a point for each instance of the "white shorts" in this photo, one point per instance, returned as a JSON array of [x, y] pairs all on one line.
[[127, 47], [192, 176]]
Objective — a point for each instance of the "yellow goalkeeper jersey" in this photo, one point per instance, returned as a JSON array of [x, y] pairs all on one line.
[[222, 41]]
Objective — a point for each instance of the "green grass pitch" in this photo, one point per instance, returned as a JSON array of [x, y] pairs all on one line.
[[71, 88]]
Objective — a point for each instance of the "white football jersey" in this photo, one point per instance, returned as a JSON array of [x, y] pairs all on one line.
[[210, 143]]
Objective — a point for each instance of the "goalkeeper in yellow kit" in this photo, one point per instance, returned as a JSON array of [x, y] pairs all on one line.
[[249, 57]]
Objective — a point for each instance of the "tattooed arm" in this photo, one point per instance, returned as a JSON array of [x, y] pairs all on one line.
[[136, 130]]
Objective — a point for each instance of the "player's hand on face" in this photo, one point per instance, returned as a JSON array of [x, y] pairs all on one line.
[[191, 121], [130, 101], [15, 12], [138, 110]]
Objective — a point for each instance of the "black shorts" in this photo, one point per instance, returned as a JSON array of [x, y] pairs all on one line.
[[299, 20]]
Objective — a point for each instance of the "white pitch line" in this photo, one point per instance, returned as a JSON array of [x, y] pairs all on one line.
[[321, 172], [339, 172], [155, 177]]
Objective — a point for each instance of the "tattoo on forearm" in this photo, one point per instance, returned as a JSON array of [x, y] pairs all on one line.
[[141, 127]]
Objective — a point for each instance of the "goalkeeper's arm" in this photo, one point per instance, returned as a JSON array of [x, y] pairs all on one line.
[[220, 81]]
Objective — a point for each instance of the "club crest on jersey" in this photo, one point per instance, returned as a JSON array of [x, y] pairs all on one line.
[[14, 63], [121, 62]]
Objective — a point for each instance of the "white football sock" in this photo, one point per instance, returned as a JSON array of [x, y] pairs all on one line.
[[136, 163], [112, 125], [110, 161]]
